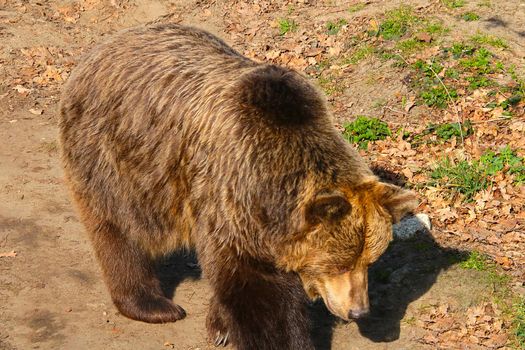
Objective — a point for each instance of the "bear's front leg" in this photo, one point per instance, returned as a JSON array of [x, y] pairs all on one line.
[[216, 325], [257, 308]]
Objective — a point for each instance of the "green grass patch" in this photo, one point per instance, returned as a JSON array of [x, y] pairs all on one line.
[[511, 101], [479, 62], [356, 7], [475, 261], [485, 39], [435, 28], [365, 129], [334, 27], [468, 178], [452, 73], [453, 4], [470, 16], [287, 25], [485, 3], [518, 322], [438, 96], [460, 50], [520, 82], [362, 53], [462, 177], [433, 91], [479, 81], [330, 85], [429, 70], [409, 46], [447, 131], [443, 132], [504, 160], [397, 23]]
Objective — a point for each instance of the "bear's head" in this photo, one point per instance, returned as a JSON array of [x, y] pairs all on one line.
[[344, 230]]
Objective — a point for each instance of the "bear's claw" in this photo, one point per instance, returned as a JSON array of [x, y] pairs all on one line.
[[221, 339]]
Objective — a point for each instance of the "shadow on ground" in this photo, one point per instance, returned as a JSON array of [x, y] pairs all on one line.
[[176, 268]]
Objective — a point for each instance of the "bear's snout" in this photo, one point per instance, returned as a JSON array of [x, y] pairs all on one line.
[[360, 313], [346, 295]]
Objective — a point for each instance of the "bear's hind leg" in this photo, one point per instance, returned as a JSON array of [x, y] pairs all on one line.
[[130, 275]]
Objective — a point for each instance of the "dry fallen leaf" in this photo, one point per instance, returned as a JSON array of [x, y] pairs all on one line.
[[504, 261], [409, 104], [22, 90], [36, 111], [10, 254], [425, 37]]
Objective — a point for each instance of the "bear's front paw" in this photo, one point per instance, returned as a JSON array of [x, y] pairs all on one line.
[[149, 308], [218, 333]]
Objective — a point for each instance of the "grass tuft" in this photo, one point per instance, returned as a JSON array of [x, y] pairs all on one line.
[[287, 25], [468, 178], [485, 39], [475, 261], [519, 322], [364, 52], [479, 62], [470, 16], [410, 45], [397, 23], [447, 131], [479, 81], [435, 28], [365, 129], [334, 27], [452, 4], [356, 7]]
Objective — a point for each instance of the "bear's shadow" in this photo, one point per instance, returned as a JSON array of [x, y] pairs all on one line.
[[406, 271], [175, 268]]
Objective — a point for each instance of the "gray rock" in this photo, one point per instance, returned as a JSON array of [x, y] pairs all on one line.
[[411, 226]]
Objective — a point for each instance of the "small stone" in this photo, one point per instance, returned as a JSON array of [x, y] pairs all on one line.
[[412, 225]]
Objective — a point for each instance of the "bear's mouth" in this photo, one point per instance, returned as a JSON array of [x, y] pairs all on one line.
[[332, 309]]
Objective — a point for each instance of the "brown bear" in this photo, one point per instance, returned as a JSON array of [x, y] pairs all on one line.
[[171, 139]]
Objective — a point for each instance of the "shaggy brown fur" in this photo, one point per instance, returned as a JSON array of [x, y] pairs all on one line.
[[172, 139]]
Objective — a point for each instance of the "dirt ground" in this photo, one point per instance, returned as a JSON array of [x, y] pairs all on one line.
[[51, 293]]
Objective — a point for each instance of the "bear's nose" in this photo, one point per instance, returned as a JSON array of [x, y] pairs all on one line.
[[359, 313]]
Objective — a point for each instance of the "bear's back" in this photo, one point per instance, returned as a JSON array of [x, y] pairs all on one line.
[[161, 124]]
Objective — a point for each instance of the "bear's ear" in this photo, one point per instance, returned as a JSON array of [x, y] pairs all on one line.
[[280, 95], [327, 208], [397, 201]]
